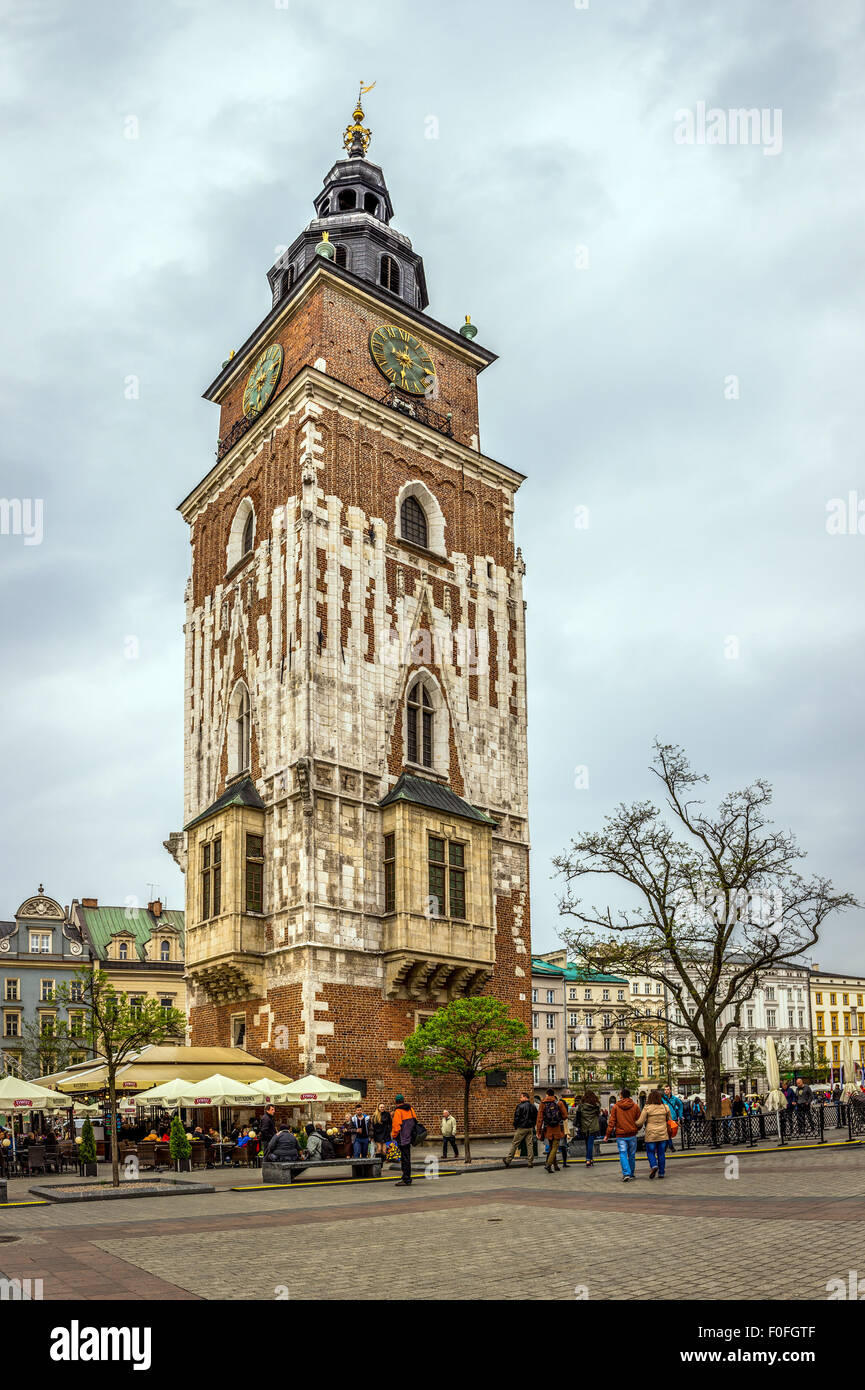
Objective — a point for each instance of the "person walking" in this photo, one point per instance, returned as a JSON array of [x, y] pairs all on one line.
[[622, 1126], [589, 1120], [654, 1115], [403, 1126], [449, 1134], [551, 1126], [525, 1116], [675, 1107]]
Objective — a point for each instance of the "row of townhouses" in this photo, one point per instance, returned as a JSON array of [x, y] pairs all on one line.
[[44, 947], [585, 1027]]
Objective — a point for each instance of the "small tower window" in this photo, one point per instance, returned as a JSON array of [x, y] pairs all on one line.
[[420, 725], [389, 274], [347, 200], [286, 280], [248, 534], [370, 204], [341, 257], [413, 522]]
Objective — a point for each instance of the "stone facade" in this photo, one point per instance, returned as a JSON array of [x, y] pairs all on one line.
[[320, 628]]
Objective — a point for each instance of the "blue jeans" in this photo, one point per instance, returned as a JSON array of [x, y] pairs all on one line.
[[656, 1153], [628, 1154], [590, 1146], [359, 1147]]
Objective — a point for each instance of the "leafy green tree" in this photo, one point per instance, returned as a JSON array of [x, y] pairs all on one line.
[[46, 1048], [119, 1029], [622, 1070], [179, 1144], [714, 901], [584, 1068], [468, 1038]]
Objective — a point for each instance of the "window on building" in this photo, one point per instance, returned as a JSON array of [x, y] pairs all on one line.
[[846, 1023], [820, 1028], [587, 994], [573, 1020], [770, 1018], [818, 998], [47, 1023], [620, 994], [770, 992], [12, 991], [833, 999], [845, 999], [607, 1044], [457, 879], [346, 200], [551, 1020], [238, 1030], [166, 1001], [551, 1074], [621, 1044], [534, 996], [286, 280], [536, 1073], [536, 1044], [76, 1058], [535, 1022], [136, 1002], [40, 943], [165, 946], [605, 994], [413, 523], [447, 891], [370, 204], [390, 873], [834, 1022], [76, 991], [242, 730], [836, 1050], [12, 1025], [659, 989], [76, 1025], [389, 274], [46, 991], [551, 1047], [123, 950], [790, 1018], [608, 1021], [551, 996], [254, 876], [419, 712], [211, 878], [651, 1067], [341, 257], [590, 1020], [572, 994], [750, 1018]]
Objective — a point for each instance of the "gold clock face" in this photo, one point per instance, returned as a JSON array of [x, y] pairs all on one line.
[[262, 381], [402, 359]]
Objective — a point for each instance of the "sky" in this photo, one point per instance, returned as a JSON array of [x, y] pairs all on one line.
[[678, 320]]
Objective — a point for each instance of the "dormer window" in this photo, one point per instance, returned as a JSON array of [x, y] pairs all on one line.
[[123, 951], [413, 522], [389, 274], [164, 950], [341, 257], [347, 200]]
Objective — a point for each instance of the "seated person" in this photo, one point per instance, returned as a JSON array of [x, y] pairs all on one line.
[[151, 1135], [314, 1142], [283, 1147]]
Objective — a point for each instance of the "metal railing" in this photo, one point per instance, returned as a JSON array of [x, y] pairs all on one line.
[[417, 408], [798, 1124]]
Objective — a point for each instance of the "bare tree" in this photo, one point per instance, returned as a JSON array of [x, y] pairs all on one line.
[[717, 902]]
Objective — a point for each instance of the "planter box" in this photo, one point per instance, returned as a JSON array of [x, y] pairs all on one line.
[[88, 1170], [3, 1197], [144, 1187], [183, 1165]]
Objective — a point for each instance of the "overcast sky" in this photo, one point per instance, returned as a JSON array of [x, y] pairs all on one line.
[[625, 279]]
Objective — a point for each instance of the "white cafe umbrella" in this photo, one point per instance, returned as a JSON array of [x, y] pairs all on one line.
[[849, 1063], [314, 1090], [218, 1090], [17, 1096], [271, 1092], [169, 1093], [775, 1100]]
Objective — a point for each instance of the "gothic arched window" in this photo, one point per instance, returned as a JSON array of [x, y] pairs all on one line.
[[419, 708], [240, 730], [122, 951], [341, 257], [389, 274], [413, 522], [164, 950], [248, 534]]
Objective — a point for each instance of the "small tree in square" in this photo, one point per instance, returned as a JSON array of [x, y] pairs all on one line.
[[179, 1144], [622, 1070], [87, 1147], [118, 1029], [468, 1038]]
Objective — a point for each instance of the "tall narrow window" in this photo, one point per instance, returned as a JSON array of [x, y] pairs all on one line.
[[389, 274], [346, 200], [420, 725], [164, 951], [211, 878], [390, 873], [248, 534], [457, 880], [436, 851], [370, 204], [122, 951], [341, 256], [242, 725], [413, 522], [255, 873]]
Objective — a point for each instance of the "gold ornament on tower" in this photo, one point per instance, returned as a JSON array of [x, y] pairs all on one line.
[[357, 137]]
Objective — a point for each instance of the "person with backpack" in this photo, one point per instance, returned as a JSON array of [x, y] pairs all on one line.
[[525, 1116], [319, 1146], [551, 1126], [622, 1126], [403, 1127], [589, 1120]]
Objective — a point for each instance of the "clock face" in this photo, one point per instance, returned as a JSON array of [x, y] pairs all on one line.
[[262, 381], [401, 359]]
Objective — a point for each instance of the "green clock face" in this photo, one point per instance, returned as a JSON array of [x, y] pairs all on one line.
[[262, 381], [401, 359]]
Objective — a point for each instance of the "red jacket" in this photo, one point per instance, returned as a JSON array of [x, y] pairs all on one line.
[[623, 1118]]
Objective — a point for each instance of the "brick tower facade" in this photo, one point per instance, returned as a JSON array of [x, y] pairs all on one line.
[[355, 803]]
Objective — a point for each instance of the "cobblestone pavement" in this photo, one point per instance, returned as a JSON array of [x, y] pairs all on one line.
[[765, 1226]]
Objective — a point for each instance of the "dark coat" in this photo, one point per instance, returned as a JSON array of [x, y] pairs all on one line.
[[381, 1132], [525, 1115], [268, 1129], [589, 1118], [283, 1148]]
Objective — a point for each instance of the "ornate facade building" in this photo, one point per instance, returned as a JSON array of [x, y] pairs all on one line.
[[356, 821]]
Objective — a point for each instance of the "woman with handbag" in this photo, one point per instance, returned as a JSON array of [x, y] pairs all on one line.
[[656, 1117]]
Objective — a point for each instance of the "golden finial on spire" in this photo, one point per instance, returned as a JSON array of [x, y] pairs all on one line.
[[357, 137]]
